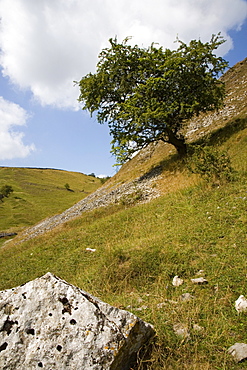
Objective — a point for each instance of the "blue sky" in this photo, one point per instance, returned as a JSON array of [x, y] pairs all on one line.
[[46, 45]]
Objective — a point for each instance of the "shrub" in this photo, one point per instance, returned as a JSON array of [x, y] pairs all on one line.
[[67, 187], [212, 164], [5, 191], [104, 179]]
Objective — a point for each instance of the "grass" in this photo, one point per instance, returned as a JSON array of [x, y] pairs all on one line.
[[139, 250], [192, 227], [39, 193]]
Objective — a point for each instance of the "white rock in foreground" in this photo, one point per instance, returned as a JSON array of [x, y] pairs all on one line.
[[176, 281], [238, 351], [241, 304], [199, 281], [48, 323]]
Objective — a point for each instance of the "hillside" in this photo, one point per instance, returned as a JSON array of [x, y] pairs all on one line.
[[153, 221], [163, 156], [39, 193]]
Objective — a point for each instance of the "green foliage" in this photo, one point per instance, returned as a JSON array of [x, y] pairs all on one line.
[[104, 179], [212, 164], [146, 95], [67, 187], [140, 249], [5, 191], [138, 252]]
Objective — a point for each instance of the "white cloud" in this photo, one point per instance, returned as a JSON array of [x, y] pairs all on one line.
[[48, 44], [11, 141]]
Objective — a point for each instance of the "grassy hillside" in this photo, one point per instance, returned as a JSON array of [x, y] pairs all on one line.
[[162, 157], [39, 193], [194, 229]]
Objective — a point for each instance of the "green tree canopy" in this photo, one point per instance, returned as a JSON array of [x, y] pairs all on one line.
[[147, 94], [5, 191]]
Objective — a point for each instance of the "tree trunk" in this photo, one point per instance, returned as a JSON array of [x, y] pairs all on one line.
[[178, 142]]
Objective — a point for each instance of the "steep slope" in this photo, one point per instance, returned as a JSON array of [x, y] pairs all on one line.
[[161, 156], [129, 256], [156, 169]]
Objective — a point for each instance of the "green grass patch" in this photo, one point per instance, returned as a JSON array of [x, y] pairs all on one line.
[[39, 193], [138, 252], [193, 227]]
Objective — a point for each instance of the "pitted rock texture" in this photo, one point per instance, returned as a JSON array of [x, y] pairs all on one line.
[[50, 324]]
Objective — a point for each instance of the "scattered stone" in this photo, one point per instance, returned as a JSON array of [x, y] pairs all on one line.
[[186, 297], [140, 308], [176, 281], [51, 324], [200, 272], [90, 250], [167, 301], [241, 304], [4, 235], [238, 351], [199, 281], [161, 305], [181, 330], [102, 197], [139, 299], [216, 288], [198, 328]]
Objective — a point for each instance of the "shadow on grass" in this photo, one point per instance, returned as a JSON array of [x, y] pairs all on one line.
[[174, 163], [221, 135]]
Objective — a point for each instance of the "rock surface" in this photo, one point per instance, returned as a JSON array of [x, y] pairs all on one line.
[[238, 351], [241, 304], [176, 281], [199, 281], [48, 323], [181, 330], [102, 197]]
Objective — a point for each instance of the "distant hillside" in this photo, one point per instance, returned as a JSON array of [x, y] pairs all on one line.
[[39, 193], [157, 170]]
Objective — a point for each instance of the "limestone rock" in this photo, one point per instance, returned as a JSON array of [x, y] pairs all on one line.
[[238, 351], [199, 281], [181, 330], [48, 323], [241, 304], [198, 328], [185, 297], [176, 281]]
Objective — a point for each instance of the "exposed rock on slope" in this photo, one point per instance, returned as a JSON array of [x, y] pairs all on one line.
[[235, 103], [100, 198], [235, 107], [48, 323]]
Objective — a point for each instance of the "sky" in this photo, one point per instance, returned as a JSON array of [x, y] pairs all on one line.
[[47, 45]]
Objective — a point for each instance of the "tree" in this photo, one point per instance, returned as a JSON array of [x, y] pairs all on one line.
[[5, 191], [148, 94], [67, 187]]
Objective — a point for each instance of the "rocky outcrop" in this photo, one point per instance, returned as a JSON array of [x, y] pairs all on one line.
[[235, 103], [5, 235], [100, 198], [48, 323]]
